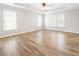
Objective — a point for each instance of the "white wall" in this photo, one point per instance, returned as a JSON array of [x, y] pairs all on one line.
[[71, 21], [26, 20]]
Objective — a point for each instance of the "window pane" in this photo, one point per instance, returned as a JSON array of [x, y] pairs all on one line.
[[61, 18], [53, 20], [47, 20], [39, 21]]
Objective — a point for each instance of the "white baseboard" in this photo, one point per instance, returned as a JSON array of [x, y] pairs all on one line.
[[71, 31], [36, 30], [20, 33], [61, 29]]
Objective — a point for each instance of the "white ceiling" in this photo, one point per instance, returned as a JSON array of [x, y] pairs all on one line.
[[51, 7], [38, 6]]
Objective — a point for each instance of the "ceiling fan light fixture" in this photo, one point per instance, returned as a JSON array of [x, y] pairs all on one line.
[[44, 4], [44, 7]]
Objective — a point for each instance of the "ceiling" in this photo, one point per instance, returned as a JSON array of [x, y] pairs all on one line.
[[38, 6], [50, 7]]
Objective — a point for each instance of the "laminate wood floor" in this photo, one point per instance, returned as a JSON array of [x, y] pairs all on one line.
[[40, 43]]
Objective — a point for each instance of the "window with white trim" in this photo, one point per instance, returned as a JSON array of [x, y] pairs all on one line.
[[9, 20]]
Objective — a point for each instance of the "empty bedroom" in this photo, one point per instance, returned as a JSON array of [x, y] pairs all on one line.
[[39, 29]]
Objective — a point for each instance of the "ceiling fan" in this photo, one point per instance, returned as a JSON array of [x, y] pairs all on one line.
[[45, 4]]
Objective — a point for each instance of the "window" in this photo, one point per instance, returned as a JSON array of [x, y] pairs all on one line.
[[53, 20], [39, 21], [50, 20], [56, 20], [47, 20], [61, 20], [9, 20]]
